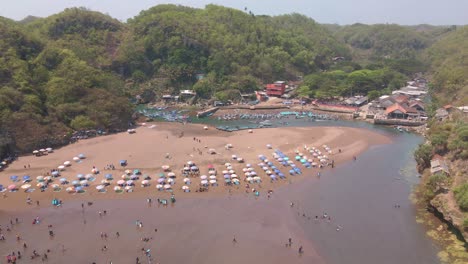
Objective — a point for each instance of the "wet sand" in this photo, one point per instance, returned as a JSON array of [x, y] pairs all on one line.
[[200, 227]]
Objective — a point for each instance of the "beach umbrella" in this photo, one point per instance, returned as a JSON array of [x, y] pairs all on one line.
[[227, 164], [159, 186], [190, 162], [41, 184], [298, 157], [227, 180], [84, 183], [161, 180], [123, 163], [249, 179], [128, 172], [247, 174], [170, 181], [185, 187], [55, 173], [162, 175], [145, 182], [290, 162], [314, 164], [233, 176], [108, 176], [253, 173], [265, 168], [76, 159], [203, 177], [42, 150], [121, 182], [266, 160], [55, 186], [70, 189], [82, 156], [67, 163], [105, 182], [167, 186], [212, 172], [171, 174], [40, 178], [268, 172], [186, 168], [186, 180], [25, 186], [303, 160], [235, 180], [61, 167], [128, 188], [276, 171], [1, 187], [240, 160], [134, 177], [63, 180], [136, 171], [125, 177], [204, 182], [11, 187], [248, 165], [194, 168], [129, 182], [256, 178], [245, 170], [291, 172], [48, 178], [26, 178], [261, 164], [309, 160], [165, 167], [100, 187], [234, 157], [14, 178], [35, 152], [95, 171], [273, 177], [80, 176], [88, 176], [225, 172], [229, 167], [231, 172], [227, 176], [117, 188], [212, 181], [268, 146], [212, 177], [146, 177]]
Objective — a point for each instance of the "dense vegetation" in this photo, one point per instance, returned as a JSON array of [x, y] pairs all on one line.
[[78, 69], [449, 64]]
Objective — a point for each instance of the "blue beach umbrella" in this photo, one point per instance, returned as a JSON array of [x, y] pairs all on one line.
[[108, 176], [227, 176], [291, 172], [14, 178], [55, 173], [75, 183], [82, 156], [276, 171], [80, 176], [26, 178], [281, 175], [273, 167], [273, 177], [136, 171], [79, 189], [270, 163], [1, 187]]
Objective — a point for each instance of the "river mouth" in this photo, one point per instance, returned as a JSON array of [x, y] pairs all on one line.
[[358, 196]]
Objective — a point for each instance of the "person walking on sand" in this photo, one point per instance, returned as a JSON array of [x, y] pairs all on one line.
[[300, 250], [234, 241], [289, 242]]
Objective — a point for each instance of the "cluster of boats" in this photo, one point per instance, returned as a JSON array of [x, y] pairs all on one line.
[[281, 115]]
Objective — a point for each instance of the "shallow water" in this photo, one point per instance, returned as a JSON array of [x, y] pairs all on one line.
[[359, 196]]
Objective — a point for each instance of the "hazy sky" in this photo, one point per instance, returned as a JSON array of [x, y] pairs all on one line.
[[408, 12]]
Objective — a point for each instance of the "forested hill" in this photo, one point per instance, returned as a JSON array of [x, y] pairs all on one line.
[[77, 69]]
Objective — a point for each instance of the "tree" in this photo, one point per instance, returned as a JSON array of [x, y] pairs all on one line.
[[304, 91], [82, 122], [423, 155]]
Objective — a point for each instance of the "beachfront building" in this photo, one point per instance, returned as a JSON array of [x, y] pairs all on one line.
[[276, 89], [400, 111]]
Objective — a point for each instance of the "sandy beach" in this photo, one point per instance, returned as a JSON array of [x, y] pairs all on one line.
[[190, 225]]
